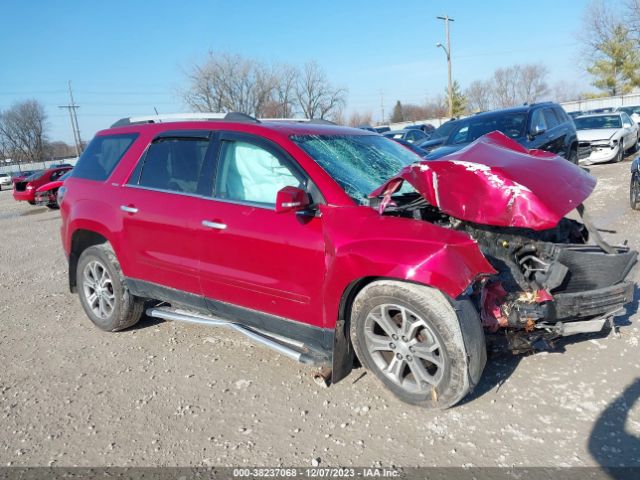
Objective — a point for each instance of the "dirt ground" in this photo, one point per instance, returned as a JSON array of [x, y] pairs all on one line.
[[173, 394]]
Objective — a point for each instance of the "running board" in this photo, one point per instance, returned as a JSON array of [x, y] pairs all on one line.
[[259, 337]]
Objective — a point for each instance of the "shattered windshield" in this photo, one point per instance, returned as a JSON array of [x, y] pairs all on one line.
[[359, 163]]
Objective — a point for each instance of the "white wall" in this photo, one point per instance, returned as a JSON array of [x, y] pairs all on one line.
[[36, 165]]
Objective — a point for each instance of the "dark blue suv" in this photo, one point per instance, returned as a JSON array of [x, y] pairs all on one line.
[[545, 126]]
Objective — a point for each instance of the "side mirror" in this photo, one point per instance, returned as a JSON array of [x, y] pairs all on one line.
[[291, 199], [538, 130]]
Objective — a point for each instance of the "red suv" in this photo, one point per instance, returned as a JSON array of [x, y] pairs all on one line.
[[25, 189], [329, 243]]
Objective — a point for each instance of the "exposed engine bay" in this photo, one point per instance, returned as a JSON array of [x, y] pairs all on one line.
[[550, 283]]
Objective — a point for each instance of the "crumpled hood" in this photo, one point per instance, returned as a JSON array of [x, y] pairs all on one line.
[[597, 134], [496, 181]]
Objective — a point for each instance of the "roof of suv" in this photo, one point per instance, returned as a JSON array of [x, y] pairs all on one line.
[[517, 109], [285, 127]]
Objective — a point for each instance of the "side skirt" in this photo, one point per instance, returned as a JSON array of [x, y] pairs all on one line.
[[318, 342]]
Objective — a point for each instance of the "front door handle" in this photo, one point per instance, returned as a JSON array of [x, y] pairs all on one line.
[[128, 209], [216, 225]]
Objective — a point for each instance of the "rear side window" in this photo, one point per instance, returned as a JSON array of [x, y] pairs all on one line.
[[102, 155], [172, 164]]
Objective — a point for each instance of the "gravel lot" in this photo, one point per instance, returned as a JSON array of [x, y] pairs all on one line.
[[172, 394]]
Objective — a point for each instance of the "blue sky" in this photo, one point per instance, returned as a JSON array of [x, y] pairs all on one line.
[[127, 57]]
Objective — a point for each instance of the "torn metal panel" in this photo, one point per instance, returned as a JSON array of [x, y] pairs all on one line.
[[496, 181]]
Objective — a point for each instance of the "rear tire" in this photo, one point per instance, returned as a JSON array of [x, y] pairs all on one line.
[[409, 337], [103, 294]]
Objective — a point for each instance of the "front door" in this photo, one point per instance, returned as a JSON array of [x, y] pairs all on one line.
[[253, 257]]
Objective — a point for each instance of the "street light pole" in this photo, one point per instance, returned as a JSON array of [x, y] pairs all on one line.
[[447, 50]]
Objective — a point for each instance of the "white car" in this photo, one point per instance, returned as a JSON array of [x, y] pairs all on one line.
[[608, 135], [5, 180], [632, 110]]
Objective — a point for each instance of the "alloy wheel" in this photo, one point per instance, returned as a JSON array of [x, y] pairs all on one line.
[[98, 289], [404, 347]]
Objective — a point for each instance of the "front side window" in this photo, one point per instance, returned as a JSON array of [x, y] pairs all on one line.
[[102, 155], [358, 163], [250, 173], [172, 164], [538, 123]]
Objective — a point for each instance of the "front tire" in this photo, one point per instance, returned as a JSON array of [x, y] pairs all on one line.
[[620, 155], [573, 156], [103, 295], [409, 337], [634, 191]]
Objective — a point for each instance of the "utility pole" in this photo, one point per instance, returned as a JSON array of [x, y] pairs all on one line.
[[447, 50], [72, 107], [382, 107]]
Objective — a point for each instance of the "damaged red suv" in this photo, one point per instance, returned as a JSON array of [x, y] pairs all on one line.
[[328, 243]]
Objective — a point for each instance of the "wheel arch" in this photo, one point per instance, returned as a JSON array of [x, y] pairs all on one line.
[[343, 351], [81, 239]]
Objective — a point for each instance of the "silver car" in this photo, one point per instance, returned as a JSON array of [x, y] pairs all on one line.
[[608, 135]]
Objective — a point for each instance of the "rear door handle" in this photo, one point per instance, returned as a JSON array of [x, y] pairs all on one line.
[[128, 209], [216, 225]]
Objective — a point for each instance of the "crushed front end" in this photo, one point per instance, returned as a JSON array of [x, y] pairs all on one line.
[[556, 276], [550, 283]]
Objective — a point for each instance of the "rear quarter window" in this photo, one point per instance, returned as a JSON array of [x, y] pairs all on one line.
[[102, 155]]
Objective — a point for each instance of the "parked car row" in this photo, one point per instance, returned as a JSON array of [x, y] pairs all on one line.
[[40, 187]]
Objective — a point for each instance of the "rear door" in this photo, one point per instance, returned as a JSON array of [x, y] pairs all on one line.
[[253, 257], [159, 205]]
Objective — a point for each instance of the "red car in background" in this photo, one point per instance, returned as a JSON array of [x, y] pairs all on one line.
[[47, 194], [25, 190]]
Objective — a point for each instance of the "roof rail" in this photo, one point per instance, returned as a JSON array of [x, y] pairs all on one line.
[[317, 121], [181, 117]]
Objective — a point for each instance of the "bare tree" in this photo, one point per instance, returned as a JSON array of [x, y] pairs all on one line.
[[357, 119], [531, 85], [504, 87], [565, 92], [519, 84], [22, 130], [479, 96], [58, 149], [227, 82], [286, 79], [317, 97]]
